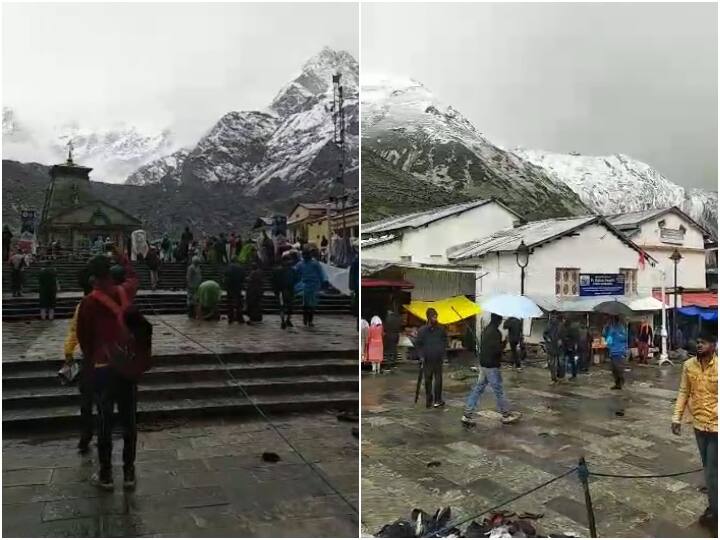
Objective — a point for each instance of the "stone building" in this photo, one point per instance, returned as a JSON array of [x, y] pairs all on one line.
[[74, 217]]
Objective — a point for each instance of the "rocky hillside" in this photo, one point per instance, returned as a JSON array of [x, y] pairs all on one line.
[[618, 183], [415, 134], [284, 153]]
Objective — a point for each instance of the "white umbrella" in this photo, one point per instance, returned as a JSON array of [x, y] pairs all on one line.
[[510, 305]]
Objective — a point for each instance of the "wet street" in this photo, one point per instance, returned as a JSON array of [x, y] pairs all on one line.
[[194, 480], [625, 433]]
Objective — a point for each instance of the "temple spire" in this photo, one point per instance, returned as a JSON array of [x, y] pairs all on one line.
[[70, 149]]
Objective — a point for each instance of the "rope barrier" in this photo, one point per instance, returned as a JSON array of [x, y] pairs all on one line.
[[258, 409], [670, 475], [497, 506], [583, 475]]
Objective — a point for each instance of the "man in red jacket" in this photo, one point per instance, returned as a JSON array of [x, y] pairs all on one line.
[[99, 332]]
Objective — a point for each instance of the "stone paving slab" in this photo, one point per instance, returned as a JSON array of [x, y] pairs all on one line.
[[483, 466], [43, 340], [216, 488]]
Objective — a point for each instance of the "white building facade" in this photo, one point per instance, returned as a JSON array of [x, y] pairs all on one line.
[[659, 233], [425, 237], [561, 251]]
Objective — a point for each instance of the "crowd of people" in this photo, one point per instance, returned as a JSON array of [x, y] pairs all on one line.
[[568, 345]]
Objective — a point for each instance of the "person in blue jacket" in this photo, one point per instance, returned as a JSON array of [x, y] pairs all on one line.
[[313, 279], [616, 339]]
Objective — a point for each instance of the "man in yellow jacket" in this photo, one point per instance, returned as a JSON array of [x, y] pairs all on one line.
[[699, 392], [84, 380]]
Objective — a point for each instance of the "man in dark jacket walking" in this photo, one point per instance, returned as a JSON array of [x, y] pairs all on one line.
[[491, 347], [431, 346], [553, 343]]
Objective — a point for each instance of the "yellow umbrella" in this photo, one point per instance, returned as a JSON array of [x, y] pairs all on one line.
[[449, 310]]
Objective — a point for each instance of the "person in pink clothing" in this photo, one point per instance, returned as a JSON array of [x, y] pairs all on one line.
[[375, 344]]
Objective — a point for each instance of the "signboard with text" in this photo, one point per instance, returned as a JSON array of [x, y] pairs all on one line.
[[602, 284]]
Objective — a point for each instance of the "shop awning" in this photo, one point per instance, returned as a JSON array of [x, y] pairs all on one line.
[[699, 299], [706, 314], [450, 310], [388, 283], [582, 304]]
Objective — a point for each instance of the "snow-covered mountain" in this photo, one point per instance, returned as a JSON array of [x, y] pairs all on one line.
[[114, 152], [414, 132], [411, 131], [618, 183], [285, 152]]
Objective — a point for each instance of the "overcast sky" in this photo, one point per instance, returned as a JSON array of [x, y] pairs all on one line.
[[638, 79], [160, 65]]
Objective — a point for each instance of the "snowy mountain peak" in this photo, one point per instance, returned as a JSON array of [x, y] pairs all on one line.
[[618, 183], [315, 80]]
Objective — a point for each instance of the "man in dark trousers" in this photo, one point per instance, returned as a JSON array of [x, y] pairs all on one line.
[[234, 283], [491, 348], [552, 339], [570, 348], [513, 325], [431, 346], [284, 279], [101, 336]]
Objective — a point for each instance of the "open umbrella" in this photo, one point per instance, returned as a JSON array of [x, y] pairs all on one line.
[[511, 305], [613, 307]]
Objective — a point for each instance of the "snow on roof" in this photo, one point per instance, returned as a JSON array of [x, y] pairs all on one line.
[[378, 240], [418, 219], [533, 234], [635, 218]]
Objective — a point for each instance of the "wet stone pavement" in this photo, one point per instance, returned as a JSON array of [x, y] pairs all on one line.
[[194, 480], [43, 340], [481, 467]]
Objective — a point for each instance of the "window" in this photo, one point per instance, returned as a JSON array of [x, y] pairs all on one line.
[[566, 281], [630, 275], [406, 258]]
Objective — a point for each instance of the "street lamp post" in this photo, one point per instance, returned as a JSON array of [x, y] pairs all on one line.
[[522, 258], [676, 257]]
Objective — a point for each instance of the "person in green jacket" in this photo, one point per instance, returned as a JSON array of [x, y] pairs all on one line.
[[208, 300]]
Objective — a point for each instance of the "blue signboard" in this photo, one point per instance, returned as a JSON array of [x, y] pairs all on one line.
[[602, 284]]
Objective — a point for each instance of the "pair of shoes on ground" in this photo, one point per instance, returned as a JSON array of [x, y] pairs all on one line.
[[507, 418], [286, 324], [104, 480], [616, 387]]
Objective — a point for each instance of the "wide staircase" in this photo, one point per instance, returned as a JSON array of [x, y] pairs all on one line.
[[170, 298], [192, 385]]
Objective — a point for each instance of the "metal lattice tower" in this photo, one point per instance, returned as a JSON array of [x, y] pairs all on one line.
[[339, 124]]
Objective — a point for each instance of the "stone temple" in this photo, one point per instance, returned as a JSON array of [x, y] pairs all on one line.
[[74, 217]]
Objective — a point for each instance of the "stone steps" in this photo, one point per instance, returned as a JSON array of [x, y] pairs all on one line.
[[192, 385], [67, 416], [163, 304]]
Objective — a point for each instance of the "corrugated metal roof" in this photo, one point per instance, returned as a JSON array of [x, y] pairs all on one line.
[[532, 234], [378, 240], [634, 218], [418, 219]]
